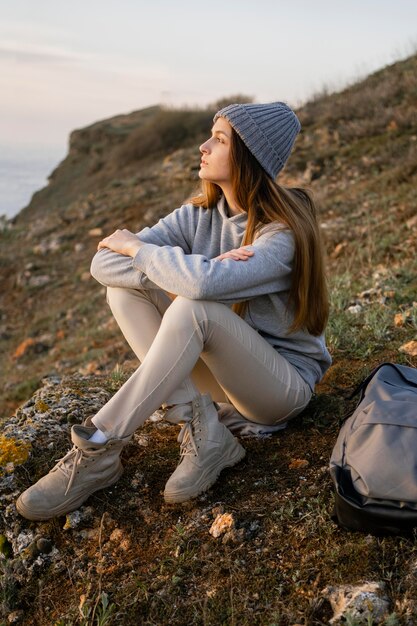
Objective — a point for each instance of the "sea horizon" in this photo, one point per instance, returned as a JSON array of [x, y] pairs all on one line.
[[23, 171]]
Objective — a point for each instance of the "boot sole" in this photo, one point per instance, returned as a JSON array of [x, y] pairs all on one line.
[[179, 496], [67, 507]]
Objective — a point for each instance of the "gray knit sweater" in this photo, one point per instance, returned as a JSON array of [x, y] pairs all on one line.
[[178, 255]]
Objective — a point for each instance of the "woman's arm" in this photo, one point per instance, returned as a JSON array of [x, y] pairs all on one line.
[[238, 254], [113, 269], [225, 279]]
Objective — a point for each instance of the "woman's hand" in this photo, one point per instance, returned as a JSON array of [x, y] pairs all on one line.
[[121, 241], [237, 254]]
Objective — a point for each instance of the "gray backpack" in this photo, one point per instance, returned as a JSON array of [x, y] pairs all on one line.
[[374, 462]]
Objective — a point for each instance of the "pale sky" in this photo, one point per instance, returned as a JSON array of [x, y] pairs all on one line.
[[66, 64]]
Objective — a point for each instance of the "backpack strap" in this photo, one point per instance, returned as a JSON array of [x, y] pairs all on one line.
[[363, 385]]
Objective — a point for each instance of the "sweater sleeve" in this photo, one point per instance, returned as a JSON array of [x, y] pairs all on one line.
[[196, 277], [116, 270]]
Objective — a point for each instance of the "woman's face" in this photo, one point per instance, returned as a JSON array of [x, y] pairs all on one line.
[[215, 164]]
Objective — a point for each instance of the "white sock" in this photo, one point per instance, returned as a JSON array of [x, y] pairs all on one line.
[[98, 437]]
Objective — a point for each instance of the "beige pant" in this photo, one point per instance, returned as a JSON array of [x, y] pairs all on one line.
[[168, 337]]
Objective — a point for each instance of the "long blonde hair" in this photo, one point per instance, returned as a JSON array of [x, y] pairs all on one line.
[[267, 202]]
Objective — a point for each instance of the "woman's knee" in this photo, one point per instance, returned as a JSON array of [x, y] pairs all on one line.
[[184, 308], [186, 313], [115, 295], [118, 298]]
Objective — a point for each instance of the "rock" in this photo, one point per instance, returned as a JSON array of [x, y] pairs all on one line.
[[338, 250], [298, 464], [365, 602], [409, 348], [119, 537], [15, 617], [407, 316], [137, 480], [39, 281], [399, 319], [91, 368], [44, 545], [23, 347], [223, 523], [158, 416], [368, 294], [96, 232], [51, 245], [23, 541], [392, 126], [367, 161], [74, 519], [141, 440], [355, 309]]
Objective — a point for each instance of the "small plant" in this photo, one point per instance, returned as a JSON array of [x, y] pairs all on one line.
[[105, 610], [118, 375], [98, 614], [8, 589]]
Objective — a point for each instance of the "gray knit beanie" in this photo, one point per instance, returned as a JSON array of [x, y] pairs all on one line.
[[268, 131]]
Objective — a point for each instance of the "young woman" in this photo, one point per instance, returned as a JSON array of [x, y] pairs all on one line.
[[235, 277]]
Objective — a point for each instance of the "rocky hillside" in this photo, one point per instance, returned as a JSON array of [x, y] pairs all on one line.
[[281, 555]]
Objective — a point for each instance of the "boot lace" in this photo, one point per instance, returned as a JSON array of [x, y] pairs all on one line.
[[187, 438], [69, 463]]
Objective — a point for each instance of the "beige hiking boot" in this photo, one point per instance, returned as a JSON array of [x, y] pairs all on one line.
[[207, 447], [86, 468]]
